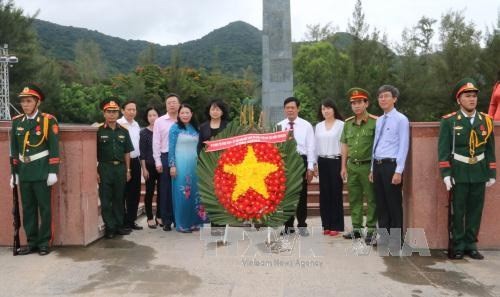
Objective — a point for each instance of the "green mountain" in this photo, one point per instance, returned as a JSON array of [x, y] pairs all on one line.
[[228, 49]]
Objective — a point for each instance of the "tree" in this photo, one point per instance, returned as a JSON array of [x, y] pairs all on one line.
[[147, 56], [317, 32], [17, 33], [357, 26], [88, 61]]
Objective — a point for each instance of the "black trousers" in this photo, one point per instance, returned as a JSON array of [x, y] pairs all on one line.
[[152, 182], [166, 210], [331, 206], [132, 192], [389, 197], [302, 205]]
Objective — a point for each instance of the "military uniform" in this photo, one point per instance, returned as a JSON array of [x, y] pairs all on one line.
[[466, 154], [359, 141], [35, 154], [112, 146]]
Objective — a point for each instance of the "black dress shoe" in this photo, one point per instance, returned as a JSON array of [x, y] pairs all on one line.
[[167, 228], [161, 225], [43, 251], [27, 250], [458, 255], [123, 231], [352, 234], [136, 227], [475, 254]]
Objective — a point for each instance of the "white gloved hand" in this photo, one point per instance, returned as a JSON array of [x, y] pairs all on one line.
[[12, 180], [51, 179], [490, 183], [448, 182]]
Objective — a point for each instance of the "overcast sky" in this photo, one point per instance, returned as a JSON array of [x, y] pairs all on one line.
[[175, 21]]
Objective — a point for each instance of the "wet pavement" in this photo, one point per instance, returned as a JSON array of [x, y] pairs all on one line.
[[157, 263]]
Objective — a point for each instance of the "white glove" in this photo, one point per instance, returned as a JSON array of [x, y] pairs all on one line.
[[51, 179], [12, 180], [490, 183], [448, 182]]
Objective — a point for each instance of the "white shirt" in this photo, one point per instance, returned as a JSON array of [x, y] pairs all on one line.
[[471, 118], [303, 133], [133, 130], [328, 141]]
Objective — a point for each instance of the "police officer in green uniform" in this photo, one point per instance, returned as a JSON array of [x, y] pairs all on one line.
[[357, 142], [113, 154], [34, 151], [466, 152]]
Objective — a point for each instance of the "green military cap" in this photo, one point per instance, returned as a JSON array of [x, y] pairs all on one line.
[[465, 85], [110, 104], [357, 94], [32, 90]]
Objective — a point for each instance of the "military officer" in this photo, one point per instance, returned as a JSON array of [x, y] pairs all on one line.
[[357, 143], [113, 155], [34, 151], [467, 163]]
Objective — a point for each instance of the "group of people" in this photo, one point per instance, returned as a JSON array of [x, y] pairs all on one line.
[[166, 152], [368, 152]]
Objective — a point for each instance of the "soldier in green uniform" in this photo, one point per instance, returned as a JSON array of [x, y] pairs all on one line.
[[34, 151], [466, 152], [357, 142], [113, 154]]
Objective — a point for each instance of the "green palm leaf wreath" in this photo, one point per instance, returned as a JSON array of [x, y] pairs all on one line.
[[294, 170]]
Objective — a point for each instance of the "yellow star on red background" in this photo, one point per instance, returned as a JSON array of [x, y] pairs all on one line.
[[250, 174]]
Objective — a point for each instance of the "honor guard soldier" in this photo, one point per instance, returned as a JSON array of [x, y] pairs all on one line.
[[467, 163], [357, 144], [35, 162], [113, 155]]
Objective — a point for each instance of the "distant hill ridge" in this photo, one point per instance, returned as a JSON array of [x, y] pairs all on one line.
[[229, 49]]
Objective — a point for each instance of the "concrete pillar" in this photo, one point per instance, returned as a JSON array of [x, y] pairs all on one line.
[[277, 66]]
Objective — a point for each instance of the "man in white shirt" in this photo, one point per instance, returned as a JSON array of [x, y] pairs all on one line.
[[303, 133], [133, 186]]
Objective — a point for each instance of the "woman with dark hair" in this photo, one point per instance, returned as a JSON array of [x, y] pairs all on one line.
[[151, 176], [217, 119], [189, 213], [327, 139]]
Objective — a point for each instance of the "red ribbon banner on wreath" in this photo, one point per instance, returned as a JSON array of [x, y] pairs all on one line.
[[222, 144]]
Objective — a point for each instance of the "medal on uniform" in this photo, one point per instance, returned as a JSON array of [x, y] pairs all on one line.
[[37, 129]]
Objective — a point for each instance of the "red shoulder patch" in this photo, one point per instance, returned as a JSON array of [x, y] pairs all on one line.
[[55, 129], [449, 115]]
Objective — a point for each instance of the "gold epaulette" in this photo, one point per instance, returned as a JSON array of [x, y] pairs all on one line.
[[48, 115], [373, 116], [486, 115], [449, 115], [350, 118], [18, 116]]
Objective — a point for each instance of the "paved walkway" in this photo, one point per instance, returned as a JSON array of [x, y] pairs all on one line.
[[157, 263]]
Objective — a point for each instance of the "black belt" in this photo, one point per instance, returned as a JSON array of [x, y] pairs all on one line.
[[385, 160], [335, 157], [359, 162]]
